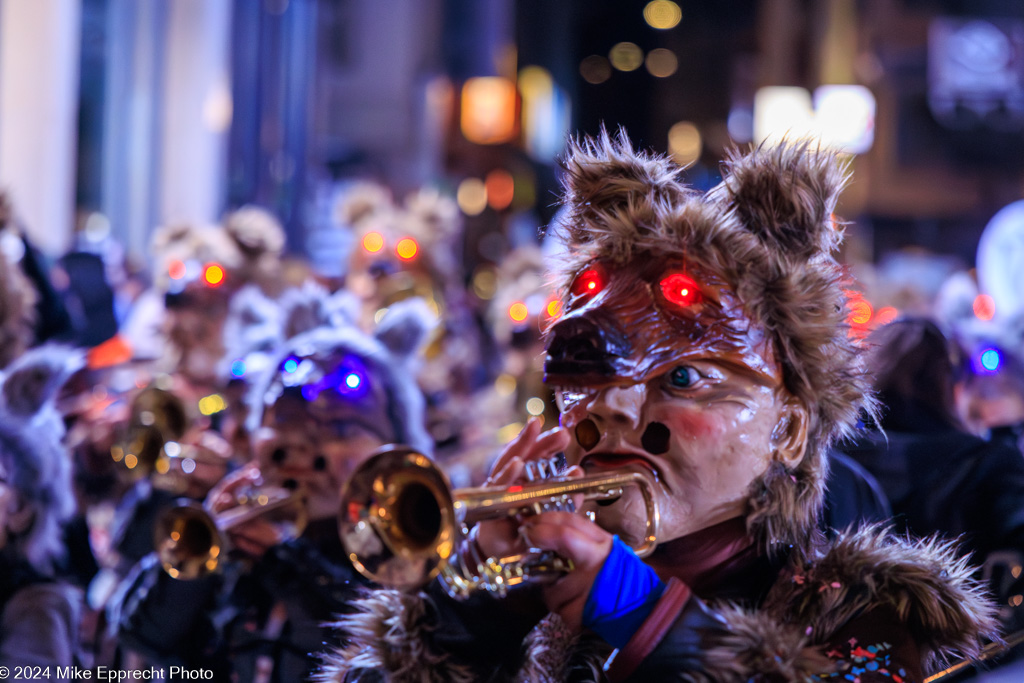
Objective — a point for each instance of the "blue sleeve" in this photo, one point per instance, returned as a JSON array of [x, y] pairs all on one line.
[[622, 597]]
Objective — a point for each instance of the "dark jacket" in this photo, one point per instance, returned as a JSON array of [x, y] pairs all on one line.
[[38, 618], [939, 480], [867, 606], [258, 623]]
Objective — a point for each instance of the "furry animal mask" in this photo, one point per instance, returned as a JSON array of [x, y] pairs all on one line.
[[31, 447], [767, 233], [315, 357]]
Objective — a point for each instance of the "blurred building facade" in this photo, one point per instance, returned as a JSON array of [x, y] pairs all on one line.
[[157, 110]]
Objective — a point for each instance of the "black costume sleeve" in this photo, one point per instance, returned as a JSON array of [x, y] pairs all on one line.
[[165, 618]]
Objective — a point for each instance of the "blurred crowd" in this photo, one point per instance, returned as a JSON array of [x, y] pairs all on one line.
[[173, 439]]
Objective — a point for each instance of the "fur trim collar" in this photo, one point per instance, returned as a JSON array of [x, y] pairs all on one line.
[[388, 632], [924, 583], [927, 582]]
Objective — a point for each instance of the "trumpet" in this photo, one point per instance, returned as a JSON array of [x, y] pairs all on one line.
[[158, 417], [191, 541], [402, 523], [153, 445]]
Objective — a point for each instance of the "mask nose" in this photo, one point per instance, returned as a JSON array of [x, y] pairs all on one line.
[[585, 346], [611, 407], [622, 405]]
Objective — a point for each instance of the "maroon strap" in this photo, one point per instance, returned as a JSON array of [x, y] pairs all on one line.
[[650, 633]]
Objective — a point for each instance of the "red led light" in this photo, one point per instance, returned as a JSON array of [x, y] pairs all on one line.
[[860, 312], [373, 242], [588, 283], [176, 269], [518, 312], [407, 249], [886, 315], [984, 307], [680, 289], [213, 274]]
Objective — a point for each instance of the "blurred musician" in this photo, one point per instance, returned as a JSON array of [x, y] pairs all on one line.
[[39, 614], [332, 396]]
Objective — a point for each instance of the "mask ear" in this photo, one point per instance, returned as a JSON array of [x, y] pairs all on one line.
[[789, 438]]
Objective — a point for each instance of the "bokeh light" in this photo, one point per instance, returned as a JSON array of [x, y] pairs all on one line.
[[990, 360], [782, 112], [984, 307], [860, 312], [518, 311], [595, 69], [485, 282], [662, 14], [886, 315], [176, 270], [505, 385], [626, 56], [213, 274], [472, 196], [373, 242], [488, 113], [500, 187], [661, 63], [214, 403], [407, 248], [684, 143], [535, 406]]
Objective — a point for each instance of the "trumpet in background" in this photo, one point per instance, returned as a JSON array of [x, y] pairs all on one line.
[[191, 541]]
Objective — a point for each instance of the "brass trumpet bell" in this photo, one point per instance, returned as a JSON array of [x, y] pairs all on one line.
[[191, 541], [402, 523], [157, 417]]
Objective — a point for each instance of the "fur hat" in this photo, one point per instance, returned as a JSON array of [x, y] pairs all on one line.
[[260, 239], [257, 325], [18, 296], [32, 450], [767, 229], [389, 357], [181, 251]]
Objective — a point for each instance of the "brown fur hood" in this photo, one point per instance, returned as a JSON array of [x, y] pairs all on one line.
[[768, 230], [923, 583]]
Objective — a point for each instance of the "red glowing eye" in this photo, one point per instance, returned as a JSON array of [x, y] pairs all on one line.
[[407, 248], [680, 289], [213, 274], [176, 269], [588, 283]]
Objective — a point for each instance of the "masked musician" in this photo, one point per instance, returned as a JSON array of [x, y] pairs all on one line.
[[333, 395], [39, 614], [702, 340]]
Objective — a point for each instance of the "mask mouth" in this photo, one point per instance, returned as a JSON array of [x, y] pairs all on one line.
[[596, 463]]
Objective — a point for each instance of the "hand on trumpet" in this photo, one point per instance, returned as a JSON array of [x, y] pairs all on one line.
[[253, 537], [571, 536]]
